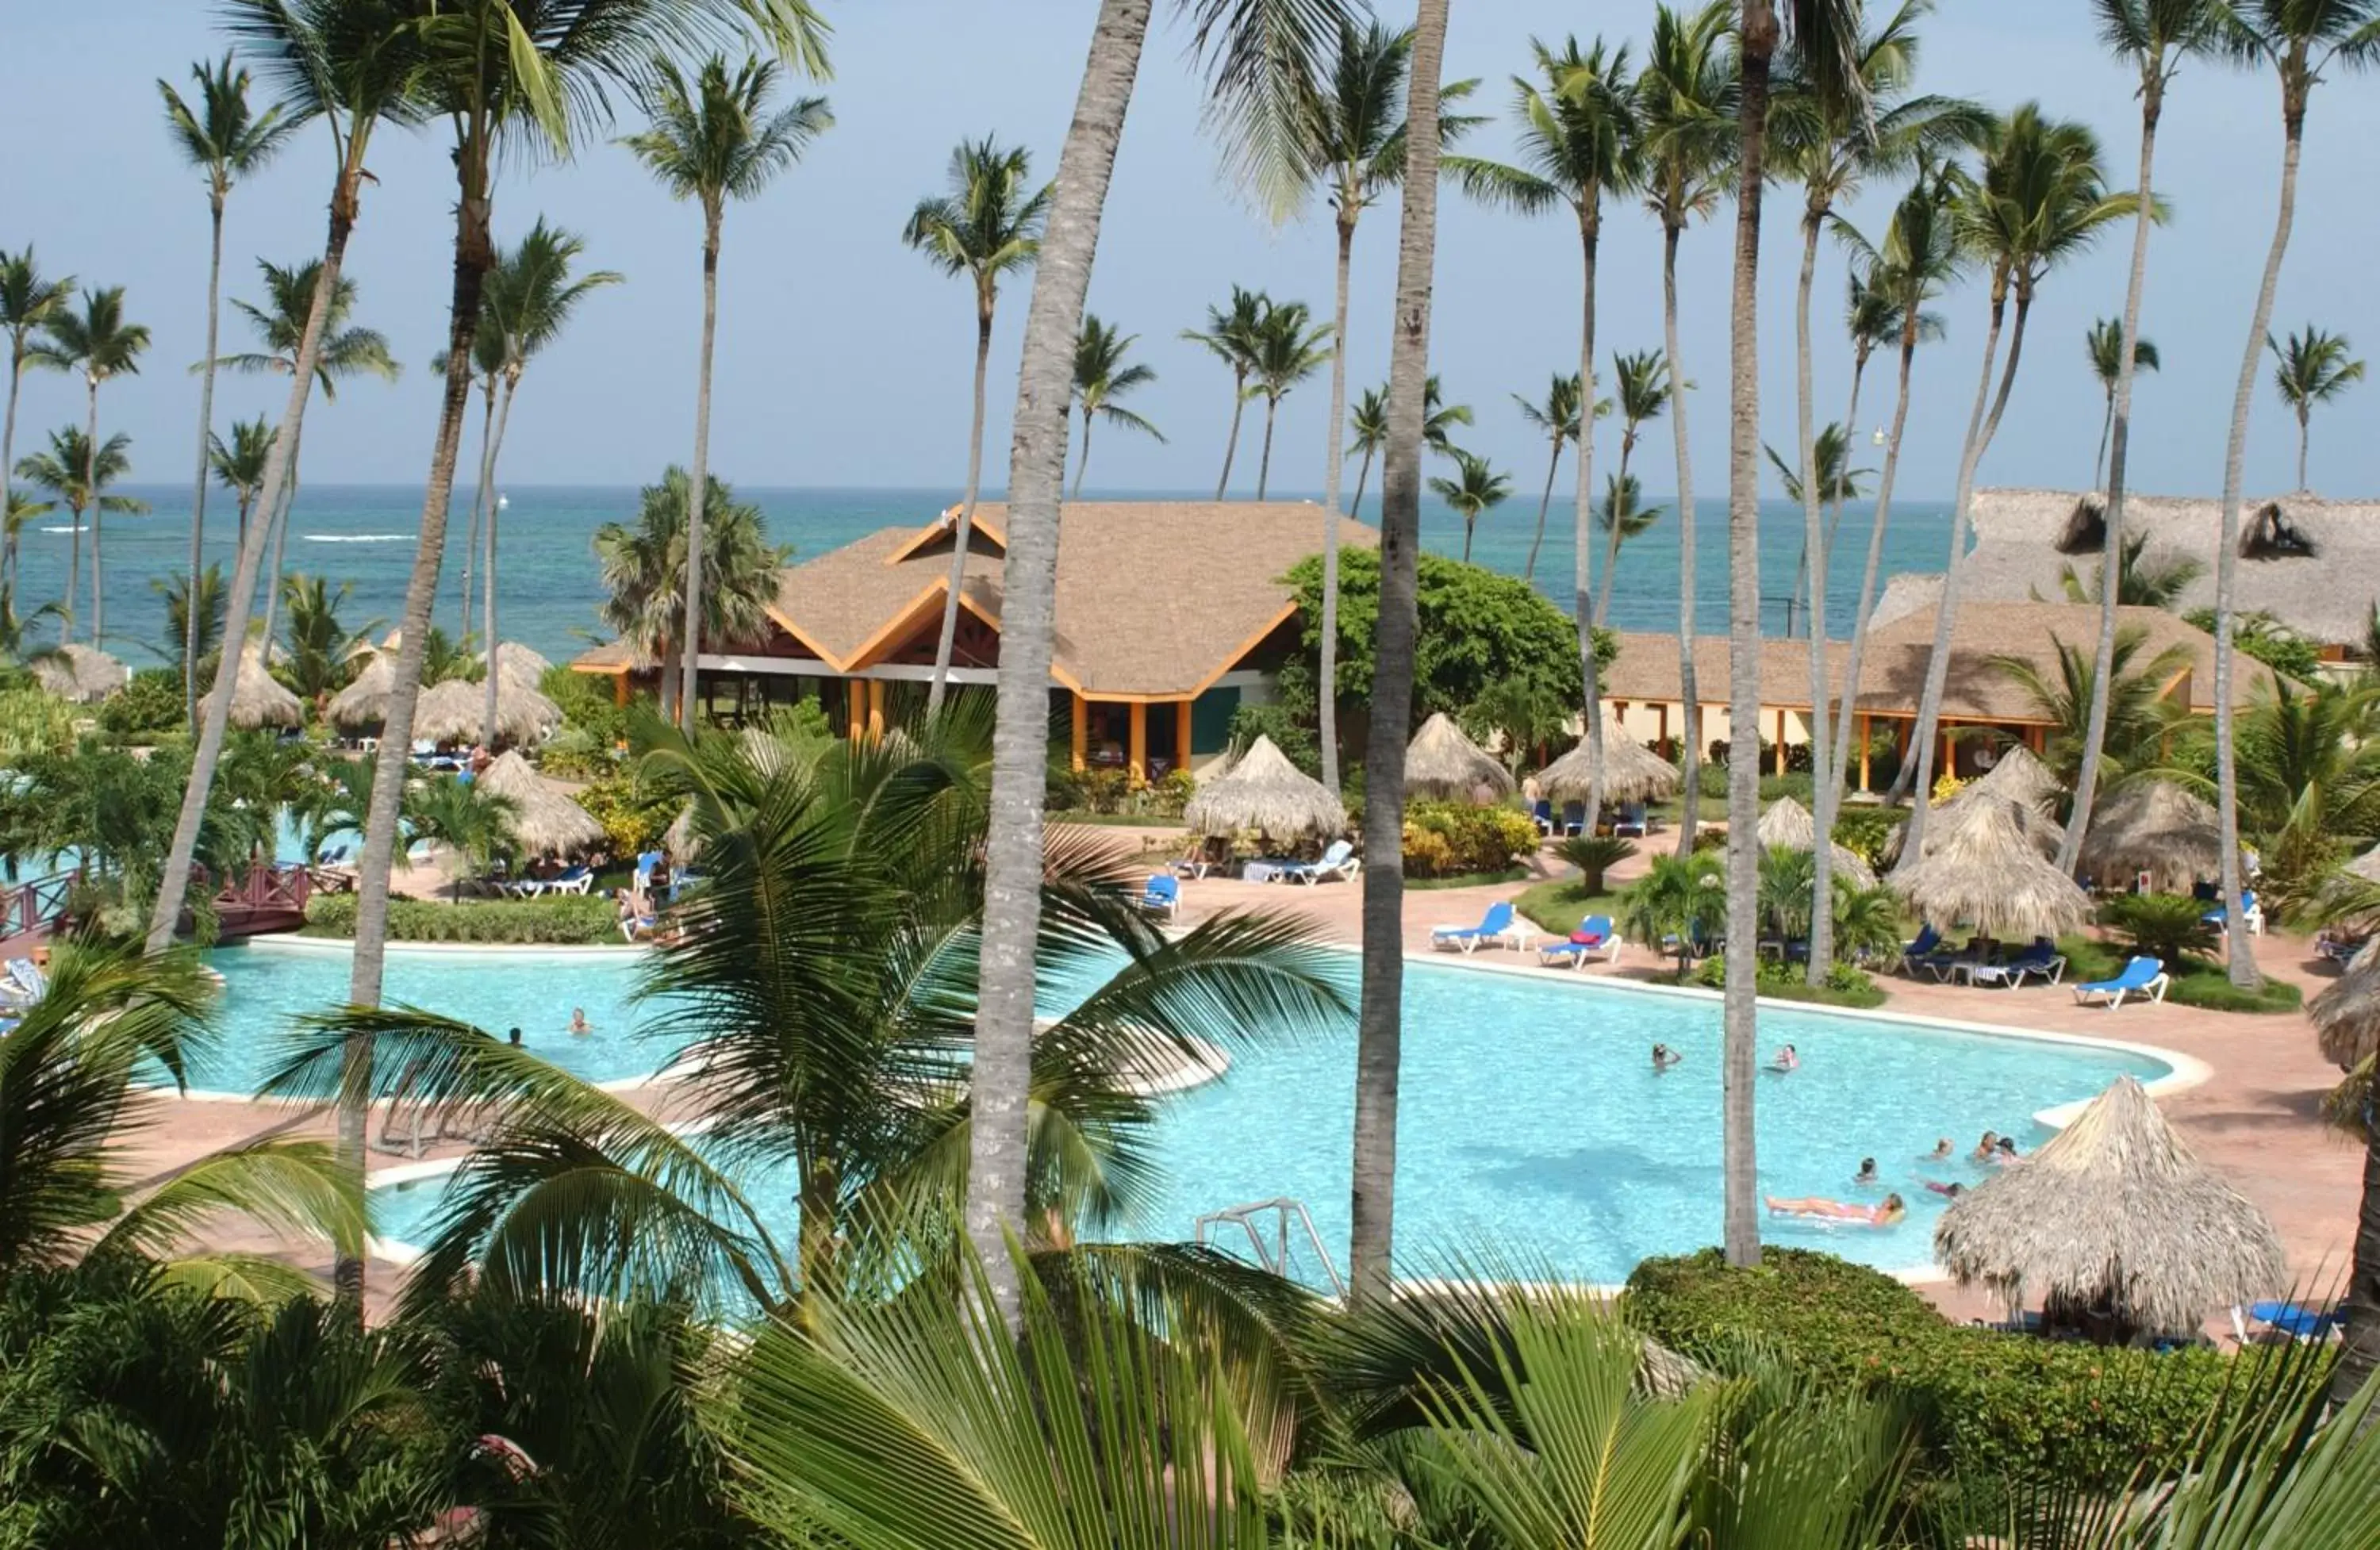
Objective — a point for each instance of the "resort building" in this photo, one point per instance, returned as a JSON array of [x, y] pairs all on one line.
[[1170, 616], [1980, 693]]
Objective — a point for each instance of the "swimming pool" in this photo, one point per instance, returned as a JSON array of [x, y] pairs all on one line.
[[1532, 1125]]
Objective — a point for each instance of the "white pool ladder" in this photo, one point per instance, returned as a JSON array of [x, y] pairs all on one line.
[[1273, 1220]]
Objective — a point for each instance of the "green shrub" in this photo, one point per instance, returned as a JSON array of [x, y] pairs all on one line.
[[1990, 1407], [1445, 838], [1794, 782], [569, 920], [632, 823], [2168, 927], [35, 721], [1295, 738], [1593, 855], [1863, 830], [152, 702], [1847, 984]]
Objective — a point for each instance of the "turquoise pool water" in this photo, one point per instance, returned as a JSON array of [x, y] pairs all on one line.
[[1532, 1127]]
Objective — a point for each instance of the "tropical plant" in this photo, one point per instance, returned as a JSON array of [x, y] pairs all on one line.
[[1477, 490], [1521, 713], [2140, 721], [2311, 367], [1831, 456], [445, 658], [201, 628], [97, 343], [78, 473], [473, 822], [224, 141], [1677, 906], [322, 651], [1101, 378], [2309, 764], [643, 569], [711, 139], [1642, 380], [1231, 337], [1595, 855], [1288, 347], [1623, 514], [2165, 927], [1556, 419], [2105, 347], [2139, 583], [28, 301], [1872, 319], [1368, 426], [986, 226], [238, 464]]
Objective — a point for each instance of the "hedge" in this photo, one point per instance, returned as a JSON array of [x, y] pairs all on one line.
[[570, 921], [1991, 1407]]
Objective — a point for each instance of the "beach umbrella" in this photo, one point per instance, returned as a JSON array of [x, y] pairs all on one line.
[[81, 673], [2347, 1014], [546, 819], [2017, 775], [1632, 772], [364, 702], [2158, 828], [257, 698], [455, 710], [1264, 791], [1980, 868], [2115, 1211], [1788, 824], [1441, 762], [2019, 783], [518, 661]]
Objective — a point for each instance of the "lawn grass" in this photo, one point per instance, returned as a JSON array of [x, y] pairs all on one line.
[[2197, 982], [1468, 880]]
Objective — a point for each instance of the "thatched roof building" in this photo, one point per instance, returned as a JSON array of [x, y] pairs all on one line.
[[2347, 1014], [455, 710], [546, 819], [81, 673], [364, 702], [1979, 867], [1264, 791], [2156, 827], [1788, 824], [2115, 1213], [1632, 772], [258, 698], [518, 661], [1441, 762]]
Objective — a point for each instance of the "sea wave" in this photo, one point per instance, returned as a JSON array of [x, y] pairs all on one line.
[[356, 538], [61, 530]]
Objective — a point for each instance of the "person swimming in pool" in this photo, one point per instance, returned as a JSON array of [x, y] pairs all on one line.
[[1787, 1060], [2004, 1153], [1942, 1150], [1866, 1174], [578, 1023], [1984, 1149], [1664, 1058], [1884, 1215], [515, 1038], [1953, 1191]]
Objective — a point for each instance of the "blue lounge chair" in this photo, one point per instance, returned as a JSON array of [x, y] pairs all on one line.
[[2252, 915], [1573, 819], [1164, 894], [1466, 938], [1632, 821], [1927, 952], [2292, 1321], [1593, 938], [2042, 960], [2141, 977], [1338, 861], [1544, 814]]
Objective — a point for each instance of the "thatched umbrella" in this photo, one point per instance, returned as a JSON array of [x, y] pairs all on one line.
[[1264, 791], [2018, 776], [2158, 828], [257, 698], [546, 819], [2115, 1212], [518, 661], [2347, 1014], [1979, 866], [1632, 772], [1788, 824], [2019, 783], [82, 673], [456, 711], [364, 702], [1443, 763]]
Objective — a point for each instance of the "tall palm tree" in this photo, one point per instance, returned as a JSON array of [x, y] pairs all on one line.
[[1289, 348], [988, 225], [1368, 431], [28, 301], [2105, 345], [341, 351], [2040, 199], [1872, 319], [2314, 367], [1579, 141], [709, 140], [2154, 36], [1622, 514], [1477, 490], [528, 299], [1644, 384], [238, 464], [226, 142], [78, 475], [1837, 481], [643, 568], [2298, 40], [100, 345], [1686, 107], [1231, 337], [488, 374], [1557, 420], [1101, 378]]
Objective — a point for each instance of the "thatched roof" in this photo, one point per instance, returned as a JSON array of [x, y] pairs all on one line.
[[82, 673], [364, 702], [2115, 1209], [2019, 783], [1788, 824], [516, 660], [2018, 776], [257, 698], [1441, 762], [2347, 1014], [1264, 791], [1632, 772], [546, 819], [1980, 868], [2158, 828], [455, 710]]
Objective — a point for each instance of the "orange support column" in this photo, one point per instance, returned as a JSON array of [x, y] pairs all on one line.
[[1082, 733], [1866, 736], [855, 709], [875, 707], [619, 689], [1182, 735], [1779, 757], [1139, 745]]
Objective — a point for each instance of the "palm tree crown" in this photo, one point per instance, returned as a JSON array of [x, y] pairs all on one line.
[[989, 221], [2105, 345], [1476, 489], [1101, 378], [1578, 136], [96, 341], [2311, 367], [28, 299], [644, 567], [1685, 113], [715, 137], [532, 294], [220, 135], [1288, 347], [72, 469], [279, 325], [238, 464]]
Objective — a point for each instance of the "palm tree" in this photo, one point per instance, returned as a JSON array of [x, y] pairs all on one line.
[[1831, 456], [1579, 141], [988, 225], [1686, 110], [2138, 585], [709, 140], [99, 344], [27, 302], [643, 569], [528, 299], [188, 627], [78, 475], [1644, 382], [1872, 320], [340, 352], [2105, 345], [1231, 337], [1100, 377], [2140, 720], [2313, 367], [1289, 348], [2041, 198], [1368, 431], [320, 648], [464, 816], [226, 142], [238, 464], [1478, 488], [1623, 514], [1557, 420]]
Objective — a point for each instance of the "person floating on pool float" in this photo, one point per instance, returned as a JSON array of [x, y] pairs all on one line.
[[1786, 1061], [578, 1023], [1953, 1191], [1942, 1150], [1884, 1215], [1664, 1058], [1986, 1147], [1866, 1174]]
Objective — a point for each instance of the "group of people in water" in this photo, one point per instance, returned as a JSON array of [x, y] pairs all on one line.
[[1994, 1150]]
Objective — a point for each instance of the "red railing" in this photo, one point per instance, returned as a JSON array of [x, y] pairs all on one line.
[[270, 887], [30, 908]]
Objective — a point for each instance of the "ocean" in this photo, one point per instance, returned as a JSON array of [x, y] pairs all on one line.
[[363, 536]]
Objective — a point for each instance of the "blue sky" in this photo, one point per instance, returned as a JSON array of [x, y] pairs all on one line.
[[844, 358]]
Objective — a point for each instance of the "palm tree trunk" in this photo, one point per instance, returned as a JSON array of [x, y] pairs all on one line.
[[1082, 464], [488, 570], [2241, 962], [9, 454], [1825, 790], [280, 543], [957, 581], [1831, 795], [2359, 1353], [1545, 505], [1611, 539], [73, 573], [478, 498], [1363, 477], [1001, 1074], [1469, 520], [2117, 441], [2302, 430], [1264, 463], [1816, 563], [1379, 1028], [198, 492], [1690, 799], [697, 546], [2106, 429], [91, 493], [1325, 673], [1582, 565], [1232, 441]]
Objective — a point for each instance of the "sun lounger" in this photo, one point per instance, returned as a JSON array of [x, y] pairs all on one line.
[[2040, 961], [1162, 895], [1632, 821], [2141, 977], [2252, 915], [30, 977], [2282, 1321], [1466, 938], [1594, 938], [1574, 818], [1338, 861], [1542, 815], [2338, 950], [1928, 951]]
